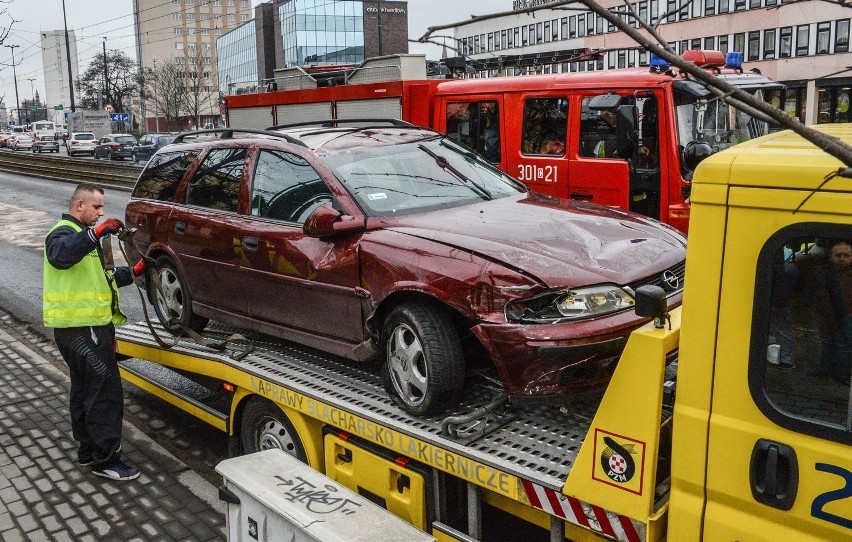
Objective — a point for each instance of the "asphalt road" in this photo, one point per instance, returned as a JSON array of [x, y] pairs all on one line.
[[29, 207]]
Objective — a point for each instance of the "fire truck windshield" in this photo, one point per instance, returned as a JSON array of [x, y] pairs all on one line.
[[704, 118]]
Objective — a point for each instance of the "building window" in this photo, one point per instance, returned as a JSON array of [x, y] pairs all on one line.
[[178, 30], [841, 36], [232, 18], [739, 5], [177, 16], [609, 26], [823, 38], [770, 2], [803, 34], [490, 41], [785, 47], [539, 33], [723, 43], [175, 2], [599, 24], [724, 6], [581, 25], [643, 10], [205, 31], [244, 18], [754, 45], [709, 7], [696, 9], [179, 45], [232, 3], [244, 3], [205, 16], [769, 44], [546, 34], [739, 43], [590, 23], [564, 27], [671, 9], [710, 43], [190, 16], [753, 4], [554, 30], [189, 3], [684, 10], [655, 11]]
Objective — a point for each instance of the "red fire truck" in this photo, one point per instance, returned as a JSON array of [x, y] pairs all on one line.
[[629, 138]]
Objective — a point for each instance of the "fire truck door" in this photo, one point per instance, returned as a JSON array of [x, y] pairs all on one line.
[[536, 155], [645, 184]]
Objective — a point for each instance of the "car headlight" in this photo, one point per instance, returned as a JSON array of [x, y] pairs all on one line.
[[572, 304]]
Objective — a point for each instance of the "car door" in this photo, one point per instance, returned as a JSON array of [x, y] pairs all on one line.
[[204, 233], [779, 451], [303, 283]]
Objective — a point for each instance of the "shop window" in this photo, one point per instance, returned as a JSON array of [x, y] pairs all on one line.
[[545, 126], [823, 38], [841, 104], [754, 45], [801, 332], [803, 34], [769, 44], [825, 96], [477, 125], [785, 47], [841, 36]]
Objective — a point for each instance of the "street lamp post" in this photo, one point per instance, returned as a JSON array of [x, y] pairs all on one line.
[[68, 57], [15, 75], [32, 95]]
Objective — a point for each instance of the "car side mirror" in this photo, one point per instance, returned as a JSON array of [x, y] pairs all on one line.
[[326, 222]]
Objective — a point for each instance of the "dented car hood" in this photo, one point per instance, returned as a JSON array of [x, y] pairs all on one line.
[[558, 242]]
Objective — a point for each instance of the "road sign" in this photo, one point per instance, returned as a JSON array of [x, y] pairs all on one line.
[[33, 109], [119, 117], [59, 107]]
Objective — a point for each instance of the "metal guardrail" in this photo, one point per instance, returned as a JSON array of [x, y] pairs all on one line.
[[66, 169]]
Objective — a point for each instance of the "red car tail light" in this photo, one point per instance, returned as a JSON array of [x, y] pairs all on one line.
[[73, 141], [116, 145]]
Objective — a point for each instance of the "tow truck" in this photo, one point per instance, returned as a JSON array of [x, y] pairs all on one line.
[[701, 433], [543, 129]]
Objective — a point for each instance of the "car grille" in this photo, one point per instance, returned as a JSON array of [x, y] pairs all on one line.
[[670, 280]]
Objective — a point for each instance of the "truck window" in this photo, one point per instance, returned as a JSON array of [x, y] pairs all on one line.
[[477, 125], [162, 175], [597, 132], [286, 187], [216, 184], [802, 340], [545, 126]]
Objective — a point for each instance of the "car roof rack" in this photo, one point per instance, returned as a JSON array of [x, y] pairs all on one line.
[[330, 123], [228, 133]]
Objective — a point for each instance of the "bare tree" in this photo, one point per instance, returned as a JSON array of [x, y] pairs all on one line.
[[653, 42], [121, 84], [164, 88], [200, 86]]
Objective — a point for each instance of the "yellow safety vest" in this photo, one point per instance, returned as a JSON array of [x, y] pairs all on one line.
[[82, 295]]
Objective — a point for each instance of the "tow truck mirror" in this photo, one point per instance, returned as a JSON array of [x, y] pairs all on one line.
[[650, 301], [694, 153], [326, 222]]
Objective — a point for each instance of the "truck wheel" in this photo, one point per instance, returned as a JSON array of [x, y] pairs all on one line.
[[173, 304], [424, 361], [264, 426]]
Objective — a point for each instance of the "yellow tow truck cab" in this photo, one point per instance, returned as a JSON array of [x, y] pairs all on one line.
[[728, 419]]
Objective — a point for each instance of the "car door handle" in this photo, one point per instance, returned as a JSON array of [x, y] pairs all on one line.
[[577, 195], [180, 228], [250, 244], [774, 474]]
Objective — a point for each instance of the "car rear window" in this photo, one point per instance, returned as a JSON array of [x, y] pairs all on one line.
[[162, 176], [126, 139], [84, 136], [216, 184]]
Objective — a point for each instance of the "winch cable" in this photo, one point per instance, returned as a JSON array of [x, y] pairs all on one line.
[[125, 236]]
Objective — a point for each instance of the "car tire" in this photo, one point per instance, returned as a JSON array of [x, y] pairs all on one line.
[[173, 304], [264, 426], [112, 156], [95, 155], [423, 366]]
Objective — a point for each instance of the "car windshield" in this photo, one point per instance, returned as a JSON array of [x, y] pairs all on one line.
[[708, 119], [165, 140], [416, 177], [125, 139]]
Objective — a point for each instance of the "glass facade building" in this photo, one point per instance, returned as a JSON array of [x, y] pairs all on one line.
[[237, 52], [322, 32]]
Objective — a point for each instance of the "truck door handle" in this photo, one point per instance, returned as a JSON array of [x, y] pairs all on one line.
[[180, 228], [577, 195], [774, 474], [250, 244]]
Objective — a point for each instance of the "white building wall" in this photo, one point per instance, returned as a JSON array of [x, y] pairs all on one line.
[[55, 62]]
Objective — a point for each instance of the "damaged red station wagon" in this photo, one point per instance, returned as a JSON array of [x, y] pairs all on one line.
[[395, 241]]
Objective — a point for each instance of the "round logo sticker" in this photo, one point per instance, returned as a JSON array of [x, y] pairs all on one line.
[[617, 462]]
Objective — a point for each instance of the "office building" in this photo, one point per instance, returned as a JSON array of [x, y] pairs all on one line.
[[54, 59]]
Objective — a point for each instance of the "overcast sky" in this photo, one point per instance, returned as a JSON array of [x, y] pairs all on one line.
[[94, 20]]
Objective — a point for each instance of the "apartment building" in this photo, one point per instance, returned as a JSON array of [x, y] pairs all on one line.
[[184, 32]]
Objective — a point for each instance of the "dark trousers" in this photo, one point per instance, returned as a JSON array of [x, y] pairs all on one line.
[[97, 400]]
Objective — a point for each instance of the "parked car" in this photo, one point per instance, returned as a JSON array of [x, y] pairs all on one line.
[[81, 143], [400, 243], [149, 144], [21, 141], [115, 146], [4, 138], [45, 143]]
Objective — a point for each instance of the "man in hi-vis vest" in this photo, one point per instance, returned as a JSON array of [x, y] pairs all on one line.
[[80, 301]]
